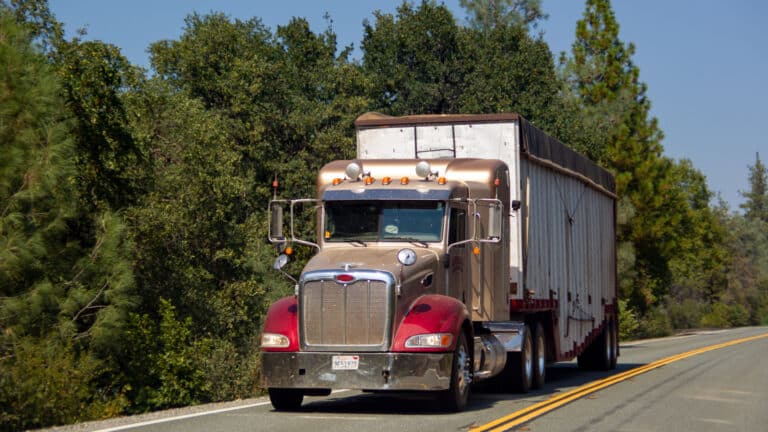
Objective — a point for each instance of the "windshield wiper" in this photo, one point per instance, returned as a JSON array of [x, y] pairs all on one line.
[[355, 241], [415, 241]]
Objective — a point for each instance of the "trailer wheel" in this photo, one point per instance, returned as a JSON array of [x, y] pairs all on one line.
[[539, 357], [601, 353], [519, 370], [286, 399], [615, 345], [456, 397]]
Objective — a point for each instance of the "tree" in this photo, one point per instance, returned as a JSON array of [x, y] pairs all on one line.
[[602, 74], [485, 15], [756, 205], [413, 60], [66, 279]]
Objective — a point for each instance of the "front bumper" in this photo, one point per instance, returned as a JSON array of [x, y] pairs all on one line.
[[376, 371]]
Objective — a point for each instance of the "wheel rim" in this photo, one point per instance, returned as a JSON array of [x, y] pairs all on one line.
[[540, 354], [528, 363], [465, 377]]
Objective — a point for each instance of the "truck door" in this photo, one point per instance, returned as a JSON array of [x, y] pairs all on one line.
[[458, 271]]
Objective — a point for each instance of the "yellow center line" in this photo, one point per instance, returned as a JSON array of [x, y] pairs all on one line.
[[526, 414]]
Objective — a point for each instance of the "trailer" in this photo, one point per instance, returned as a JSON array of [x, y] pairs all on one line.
[[453, 249]]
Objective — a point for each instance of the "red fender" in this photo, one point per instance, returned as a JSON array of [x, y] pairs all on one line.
[[283, 318], [431, 314]]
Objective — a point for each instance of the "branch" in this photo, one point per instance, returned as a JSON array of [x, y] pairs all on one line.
[[90, 303]]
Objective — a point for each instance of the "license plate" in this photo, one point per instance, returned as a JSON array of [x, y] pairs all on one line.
[[345, 362]]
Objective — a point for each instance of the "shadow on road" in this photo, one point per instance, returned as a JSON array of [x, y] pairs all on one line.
[[560, 377]]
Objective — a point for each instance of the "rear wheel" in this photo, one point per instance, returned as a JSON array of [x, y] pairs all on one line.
[[601, 354], [456, 397], [519, 369], [286, 399], [539, 357]]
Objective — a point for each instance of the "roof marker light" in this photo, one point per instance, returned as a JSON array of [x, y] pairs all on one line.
[[441, 181], [404, 181], [386, 180], [369, 180], [336, 181]]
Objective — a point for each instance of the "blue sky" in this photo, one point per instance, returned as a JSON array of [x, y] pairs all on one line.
[[705, 62]]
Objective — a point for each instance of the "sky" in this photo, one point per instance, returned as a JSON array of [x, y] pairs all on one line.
[[705, 62]]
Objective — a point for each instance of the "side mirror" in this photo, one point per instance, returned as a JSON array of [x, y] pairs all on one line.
[[280, 261], [276, 223], [494, 221]]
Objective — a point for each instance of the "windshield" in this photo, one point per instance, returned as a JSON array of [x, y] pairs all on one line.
[[363, 221]]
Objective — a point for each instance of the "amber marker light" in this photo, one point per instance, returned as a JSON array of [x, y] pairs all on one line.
[[476, 250], [336, 181], [369, 180], [441, 181], [386, 180], [404, 181], [289, 250]]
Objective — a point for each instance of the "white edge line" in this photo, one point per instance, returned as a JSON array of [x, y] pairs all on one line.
[[181, 417], [186, 416]]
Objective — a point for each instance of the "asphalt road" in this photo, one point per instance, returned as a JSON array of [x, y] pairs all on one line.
[[724, 389]]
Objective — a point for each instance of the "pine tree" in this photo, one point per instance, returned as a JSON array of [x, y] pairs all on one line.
[[601, 72], [756, 206]]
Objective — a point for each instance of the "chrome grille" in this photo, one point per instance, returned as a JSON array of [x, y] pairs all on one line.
[[335, 315]]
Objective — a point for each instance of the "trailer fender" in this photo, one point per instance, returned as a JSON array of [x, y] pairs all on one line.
[[432, 314], [282, 319]]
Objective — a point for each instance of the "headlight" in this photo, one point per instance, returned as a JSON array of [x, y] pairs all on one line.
[[274, 340], [431, 340]]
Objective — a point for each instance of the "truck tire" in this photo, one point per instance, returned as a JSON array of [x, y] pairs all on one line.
[[519, 370], [455, 398], [286, 399], [601, 353], [539, 357], [614, 344]]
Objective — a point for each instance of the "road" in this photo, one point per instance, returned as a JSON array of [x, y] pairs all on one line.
[[722, 389]]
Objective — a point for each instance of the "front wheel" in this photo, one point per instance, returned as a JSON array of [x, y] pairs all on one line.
[[286, 399], [456, 397]]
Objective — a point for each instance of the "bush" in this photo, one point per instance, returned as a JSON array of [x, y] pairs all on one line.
[[628, 322], [655, 323], [687, 314], [722, 315]]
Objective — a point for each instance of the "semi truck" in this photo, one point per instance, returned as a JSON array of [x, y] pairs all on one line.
[[453, 249]]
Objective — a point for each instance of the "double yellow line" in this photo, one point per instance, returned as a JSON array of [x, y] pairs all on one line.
[[527, 414]]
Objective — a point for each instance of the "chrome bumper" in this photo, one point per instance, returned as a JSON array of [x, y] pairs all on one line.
[[376, 371]]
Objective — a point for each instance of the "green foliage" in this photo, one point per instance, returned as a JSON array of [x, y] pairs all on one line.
[[756, 205], [49, 382], [134, 271], [628, 321], [414, 60], [109, 161], [687, 314], [655, 323], [489, 14], [724, 315]]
